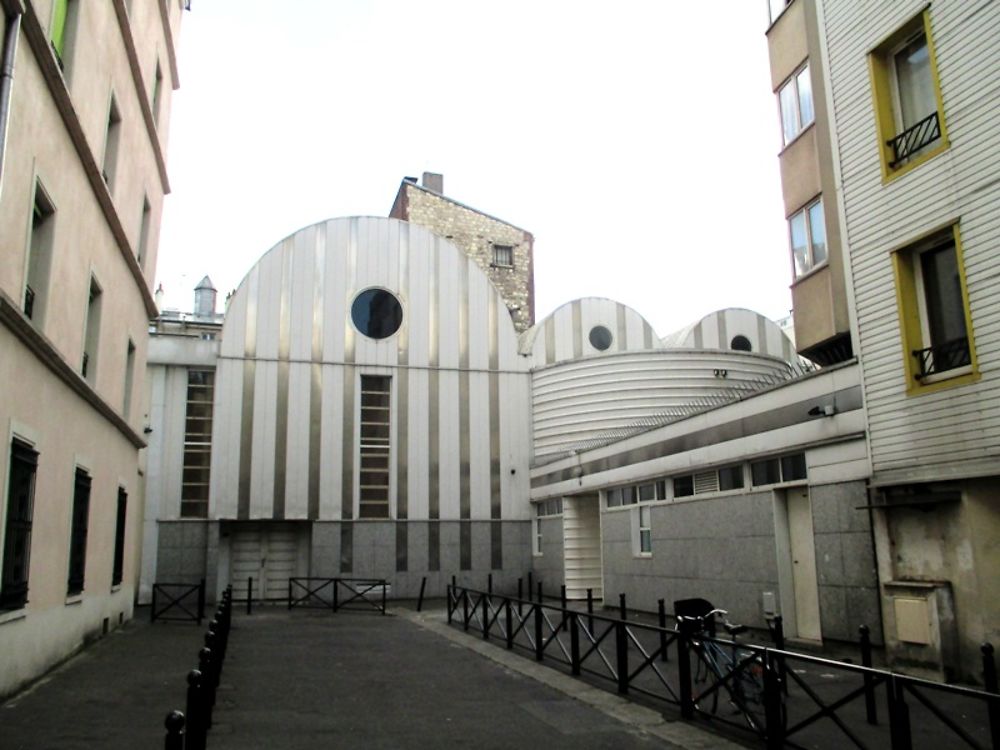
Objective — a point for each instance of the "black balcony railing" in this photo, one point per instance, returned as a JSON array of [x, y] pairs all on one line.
[[914, 138], [947, 356]]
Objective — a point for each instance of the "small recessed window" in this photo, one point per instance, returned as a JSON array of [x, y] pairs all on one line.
[[503, 255], [740, 344], [600, 338], [377, 313]]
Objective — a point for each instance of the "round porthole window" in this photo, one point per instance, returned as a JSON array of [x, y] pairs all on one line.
[[740, 344], [600, 338], [377, 313]]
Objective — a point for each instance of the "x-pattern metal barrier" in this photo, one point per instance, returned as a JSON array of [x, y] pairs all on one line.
[[786, 699], [317, 593], [361, 593], [171, 601]]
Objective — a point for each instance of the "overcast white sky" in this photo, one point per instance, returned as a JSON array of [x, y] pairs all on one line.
[[635, 139]]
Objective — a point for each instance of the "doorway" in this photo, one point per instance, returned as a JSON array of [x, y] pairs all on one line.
[[270, 553], [582, 546], [797, 563]]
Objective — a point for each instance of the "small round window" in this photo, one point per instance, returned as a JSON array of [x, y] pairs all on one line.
[[377, 313], [740, 344], [600, 338]]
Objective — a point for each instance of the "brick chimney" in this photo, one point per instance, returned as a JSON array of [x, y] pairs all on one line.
[[433, 182]]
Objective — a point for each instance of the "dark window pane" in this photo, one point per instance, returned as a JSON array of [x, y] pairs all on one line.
[[731, 478], [684, 486], [765, 472], [793, 467], [600, 338], [78, 535], [376, 313]]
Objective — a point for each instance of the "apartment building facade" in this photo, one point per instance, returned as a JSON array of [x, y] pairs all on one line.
[[909, 95], [85, 107]]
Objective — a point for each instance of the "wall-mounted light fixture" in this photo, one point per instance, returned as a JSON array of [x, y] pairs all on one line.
[[826, 410]]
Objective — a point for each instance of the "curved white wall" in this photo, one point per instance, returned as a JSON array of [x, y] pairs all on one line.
[[287, 389], [718, 329], [579, 400], [565, 334]]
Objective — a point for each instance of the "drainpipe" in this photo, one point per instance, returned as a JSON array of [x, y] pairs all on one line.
[[7, 82]]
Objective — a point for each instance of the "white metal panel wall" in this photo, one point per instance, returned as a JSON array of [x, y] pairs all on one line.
[[287, 392], [565, 334], [717, 330], [917, 433], [575, 401]]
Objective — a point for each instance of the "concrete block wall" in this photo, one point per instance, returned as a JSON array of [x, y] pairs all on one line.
[[845, 561], [182, 551], [549, 567]]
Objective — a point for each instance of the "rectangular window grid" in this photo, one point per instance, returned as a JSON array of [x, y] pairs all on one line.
[[503, 255], [375, 446], [78, 535], [17, 532], [197, 444]]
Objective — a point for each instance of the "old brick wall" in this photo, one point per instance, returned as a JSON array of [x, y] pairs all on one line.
[[476, 233]]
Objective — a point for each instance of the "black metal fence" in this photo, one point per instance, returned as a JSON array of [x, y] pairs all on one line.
[[802, 700], [178, 602], [188, 730]]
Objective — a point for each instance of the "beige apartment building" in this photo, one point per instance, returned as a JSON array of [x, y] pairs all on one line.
[[85, 103], [888, 120]]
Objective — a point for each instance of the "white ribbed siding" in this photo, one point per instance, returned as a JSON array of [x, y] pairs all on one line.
[[288, 333], [579, 400], [951, 426], [565, 334]]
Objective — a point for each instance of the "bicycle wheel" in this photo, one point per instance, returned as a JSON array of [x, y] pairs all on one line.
[[748, 688]]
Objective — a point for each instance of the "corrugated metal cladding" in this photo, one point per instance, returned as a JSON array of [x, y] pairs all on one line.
[[720, 329], [576, 401], [961, 184], [566, 333], [288, 387]]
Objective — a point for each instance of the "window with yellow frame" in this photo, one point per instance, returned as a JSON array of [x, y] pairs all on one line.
[[909, 111], [936, 326]]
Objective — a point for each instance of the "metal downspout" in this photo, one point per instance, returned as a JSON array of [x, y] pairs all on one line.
[[7, 83]]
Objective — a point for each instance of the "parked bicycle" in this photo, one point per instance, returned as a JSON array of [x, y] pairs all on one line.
[[724, 665]]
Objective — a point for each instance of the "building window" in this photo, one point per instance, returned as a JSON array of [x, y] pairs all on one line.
[[776, 8], [908, 105], [112, 140], [600, 338], [740, 344], [92, 332], [17, 527], [807, 233], [644, 539], [119, 559], [503, 256], [142, 247], [934, 310], [377, 313], [157, 89], [796, 102], [78, 535], [63, 30], [731, 478], [684, 486], [197, 444], [39, 255], [375, 443], [788, 468], [537, 536], [129, 377]]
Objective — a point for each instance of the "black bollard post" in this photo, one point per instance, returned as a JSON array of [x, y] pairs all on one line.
[[541, 596], [684, 669], [510, 622], [465, 609], [448, 602], [250, 595], [661, 612], [562, 603], [152, 618], [779, 643], [866, 661], [486, 618], [590, 611], [621, 649], [622, 609], [194, 738], [539, 643], [574, 643], [206, 690], [201, 601], [900, 736], [423, 586], [520, 596], [174, 724], [990, 683], [772, 705], [489, 584], [220, 649], [531, 587]]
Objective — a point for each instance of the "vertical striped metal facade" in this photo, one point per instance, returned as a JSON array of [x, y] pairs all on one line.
[[287, 394]]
